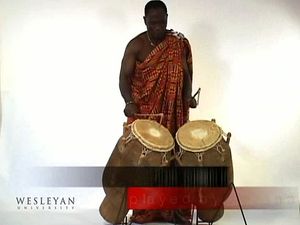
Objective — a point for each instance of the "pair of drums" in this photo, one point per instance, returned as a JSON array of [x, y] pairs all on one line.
[[146, 143], [200, 143]]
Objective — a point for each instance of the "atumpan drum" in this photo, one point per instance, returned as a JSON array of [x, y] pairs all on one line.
[[148, 144], [145, 143], [201, 144]]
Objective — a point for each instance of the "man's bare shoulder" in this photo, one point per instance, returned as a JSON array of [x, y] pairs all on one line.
[[136, 43]]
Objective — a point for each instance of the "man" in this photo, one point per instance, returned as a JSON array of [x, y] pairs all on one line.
[[156, 71], [156, 77]]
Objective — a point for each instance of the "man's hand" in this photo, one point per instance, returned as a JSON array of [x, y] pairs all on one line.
[[130, 109]]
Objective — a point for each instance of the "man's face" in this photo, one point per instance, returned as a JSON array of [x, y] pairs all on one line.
[[156, 22]]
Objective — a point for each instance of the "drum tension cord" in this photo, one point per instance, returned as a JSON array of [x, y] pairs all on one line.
[[240, 205]]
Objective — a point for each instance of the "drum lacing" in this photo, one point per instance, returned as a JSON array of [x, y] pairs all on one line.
[[180, 153], [199, 156], [164, 158], [145, 152], [129, 138], [221, 151]]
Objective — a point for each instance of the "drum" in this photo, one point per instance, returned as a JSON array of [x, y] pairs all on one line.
[[202, 145], [145, 143], [148, 144]]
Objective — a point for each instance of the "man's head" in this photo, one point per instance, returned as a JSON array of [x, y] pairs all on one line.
[[156, 18]]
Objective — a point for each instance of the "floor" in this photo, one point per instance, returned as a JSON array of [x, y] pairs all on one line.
[[91, 217]]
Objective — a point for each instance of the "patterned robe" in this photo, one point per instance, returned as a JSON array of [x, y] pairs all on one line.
[[157, 85]]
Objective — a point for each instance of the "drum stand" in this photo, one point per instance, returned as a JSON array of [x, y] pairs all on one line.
[[238, 199], [124, 222], [199, 222]]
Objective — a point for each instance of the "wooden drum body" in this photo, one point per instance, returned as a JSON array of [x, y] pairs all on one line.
[[145, 143], [201, 144]]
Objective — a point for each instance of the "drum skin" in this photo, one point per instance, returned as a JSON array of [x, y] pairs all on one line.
[[153, 135], [198, 135]]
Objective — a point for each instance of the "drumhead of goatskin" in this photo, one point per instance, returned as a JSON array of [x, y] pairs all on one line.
[[198, 135], [153, 135]]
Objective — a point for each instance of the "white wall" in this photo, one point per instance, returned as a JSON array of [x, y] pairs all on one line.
[[60, 64]]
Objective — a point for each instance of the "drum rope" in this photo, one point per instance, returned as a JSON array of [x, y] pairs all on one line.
[[129, 138], [180, 153], [145, 152], [164, 158], [199, 156], [221, 151]]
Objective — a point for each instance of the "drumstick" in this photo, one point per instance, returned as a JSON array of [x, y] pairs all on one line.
[[197, 93]]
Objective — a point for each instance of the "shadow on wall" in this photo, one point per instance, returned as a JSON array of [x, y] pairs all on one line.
[[293, 7], [211, 72]]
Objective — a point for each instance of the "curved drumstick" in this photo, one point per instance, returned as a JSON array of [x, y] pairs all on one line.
[[198, 95]]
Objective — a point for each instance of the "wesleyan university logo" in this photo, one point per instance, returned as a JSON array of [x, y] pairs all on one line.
[[45, 203]]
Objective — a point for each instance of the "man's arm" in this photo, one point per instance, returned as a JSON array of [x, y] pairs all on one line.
[[188, 75], [127, 70]]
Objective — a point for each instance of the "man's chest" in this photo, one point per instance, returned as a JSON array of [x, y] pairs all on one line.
[[144, 52]]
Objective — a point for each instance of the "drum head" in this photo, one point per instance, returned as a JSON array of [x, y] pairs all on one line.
[[198, 135], [153, 135]]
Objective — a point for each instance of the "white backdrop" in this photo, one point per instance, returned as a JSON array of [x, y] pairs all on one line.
[[61, 104]]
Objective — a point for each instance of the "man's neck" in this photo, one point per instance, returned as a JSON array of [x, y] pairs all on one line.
[[154, 42]]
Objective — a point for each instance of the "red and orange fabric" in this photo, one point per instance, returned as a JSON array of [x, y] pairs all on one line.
[[157, 85]]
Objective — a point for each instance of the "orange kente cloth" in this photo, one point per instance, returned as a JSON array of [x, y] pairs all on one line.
[[157, 85]]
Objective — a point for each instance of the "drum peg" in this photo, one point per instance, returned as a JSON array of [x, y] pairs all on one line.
[[228, 137], [213, 120]]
